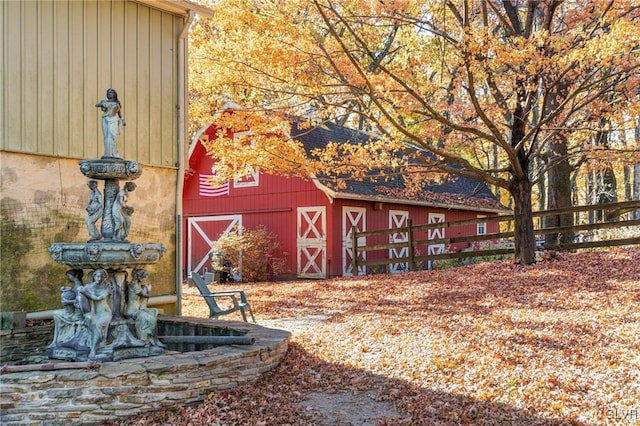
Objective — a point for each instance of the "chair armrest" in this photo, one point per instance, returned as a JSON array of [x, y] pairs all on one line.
[[214, 294], [243, 297]]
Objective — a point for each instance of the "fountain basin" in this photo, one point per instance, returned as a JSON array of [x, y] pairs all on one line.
[[107, 255], [120, 389], [110, 168]]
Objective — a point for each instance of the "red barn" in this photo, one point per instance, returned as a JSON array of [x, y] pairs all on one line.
[[312, 220]]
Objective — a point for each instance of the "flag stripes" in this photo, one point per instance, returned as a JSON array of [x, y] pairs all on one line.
[[208, 190]]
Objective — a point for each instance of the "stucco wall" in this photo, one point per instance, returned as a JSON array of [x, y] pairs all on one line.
[[43, 199]]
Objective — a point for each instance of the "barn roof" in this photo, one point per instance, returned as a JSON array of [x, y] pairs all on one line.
[[455, 192], [458, 192]]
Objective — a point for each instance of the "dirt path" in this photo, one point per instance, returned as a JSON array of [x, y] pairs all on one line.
[[335, 409]]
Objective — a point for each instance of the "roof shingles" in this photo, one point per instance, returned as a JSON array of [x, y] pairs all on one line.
[[453, 191]]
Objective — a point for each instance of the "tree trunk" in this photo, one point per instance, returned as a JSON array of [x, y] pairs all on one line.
[[575, 195], [559, 192], [609, 192], [520, 189], [495, 167], [525, 241], [606, 184], [627, 176], [559, 177], [542, 188], [591, 194]]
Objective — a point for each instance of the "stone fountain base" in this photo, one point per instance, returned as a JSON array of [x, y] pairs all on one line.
[[121, 389], [124, 345], [120, 340]]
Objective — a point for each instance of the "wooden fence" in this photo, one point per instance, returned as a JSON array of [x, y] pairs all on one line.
[[414, 260]]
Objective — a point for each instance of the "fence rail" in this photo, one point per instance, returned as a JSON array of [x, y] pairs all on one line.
[[612, 213]]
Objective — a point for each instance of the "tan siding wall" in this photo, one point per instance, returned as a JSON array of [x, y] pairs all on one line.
[[59, 59]]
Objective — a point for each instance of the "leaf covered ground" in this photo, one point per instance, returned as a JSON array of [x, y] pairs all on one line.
[[554, 343]]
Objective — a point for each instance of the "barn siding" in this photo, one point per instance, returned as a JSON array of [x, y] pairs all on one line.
[[379, 220], [59, 59], [274, 203]]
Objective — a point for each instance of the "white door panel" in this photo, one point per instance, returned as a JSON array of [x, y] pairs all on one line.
[[435, 234], [398, 219], [353, 216], [200, 229], [312, 242]]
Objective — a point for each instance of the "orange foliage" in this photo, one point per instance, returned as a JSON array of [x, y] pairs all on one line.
[[483, 87], [547, 344]]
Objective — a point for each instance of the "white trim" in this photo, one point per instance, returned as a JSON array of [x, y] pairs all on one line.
[[254, 175], [193, 224], [178, 7], [228, 106], [435, 234], [481, 227], [311, 242], [397, 219], [353, 216], [196, 139], [334, 195]]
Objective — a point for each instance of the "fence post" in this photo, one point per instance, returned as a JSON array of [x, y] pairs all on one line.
[[412, 263], [354, 251]]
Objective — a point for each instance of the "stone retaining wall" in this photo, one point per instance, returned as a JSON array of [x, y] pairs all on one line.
[[21, 343], [117, 390]]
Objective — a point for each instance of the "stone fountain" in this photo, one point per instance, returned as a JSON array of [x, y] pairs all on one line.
[[107, 318]]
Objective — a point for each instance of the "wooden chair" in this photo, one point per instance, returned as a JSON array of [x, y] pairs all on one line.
[[238, 298]]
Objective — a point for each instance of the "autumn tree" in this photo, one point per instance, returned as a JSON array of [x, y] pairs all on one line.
[[461, 80]]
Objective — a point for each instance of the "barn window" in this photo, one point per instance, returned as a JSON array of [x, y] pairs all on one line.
[[251, 177], [482, 226]]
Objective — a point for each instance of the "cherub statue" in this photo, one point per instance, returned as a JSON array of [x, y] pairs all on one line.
[[67, 320], [94, 211], [98, 318], [121, 212], [145, 318]]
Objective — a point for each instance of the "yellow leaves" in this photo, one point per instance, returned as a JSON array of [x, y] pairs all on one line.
[[611, 48], [418, 72], [249, 141], [297, 57], [487, 344]]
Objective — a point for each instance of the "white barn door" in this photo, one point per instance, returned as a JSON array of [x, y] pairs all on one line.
[[312, 242], [398, 219], [202, 233], [435, 234], [353, 216]]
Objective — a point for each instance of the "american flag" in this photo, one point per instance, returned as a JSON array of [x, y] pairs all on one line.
[[207, 190]]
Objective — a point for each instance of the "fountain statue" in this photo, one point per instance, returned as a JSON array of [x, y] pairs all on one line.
[[106, 318]]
